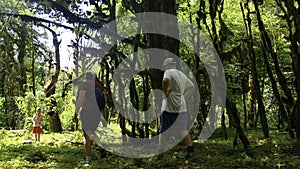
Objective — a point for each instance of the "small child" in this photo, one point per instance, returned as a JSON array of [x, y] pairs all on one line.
[[37, 121]]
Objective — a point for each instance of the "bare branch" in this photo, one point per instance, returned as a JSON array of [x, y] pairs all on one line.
[[27, 18]]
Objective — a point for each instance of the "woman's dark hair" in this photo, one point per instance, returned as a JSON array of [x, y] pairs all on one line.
[[90, 76]]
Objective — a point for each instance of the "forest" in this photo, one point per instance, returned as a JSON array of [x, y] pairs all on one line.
[[242, 55]]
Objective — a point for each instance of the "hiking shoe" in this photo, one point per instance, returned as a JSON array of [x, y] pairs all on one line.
[[86, 162], [160, 156], [102, 154]]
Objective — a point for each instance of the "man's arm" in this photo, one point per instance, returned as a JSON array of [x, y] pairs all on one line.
[[189, 91], [165, 86], [190, 88]]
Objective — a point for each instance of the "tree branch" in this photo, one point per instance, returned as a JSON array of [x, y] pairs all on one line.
[[27, 18], [72, 18]]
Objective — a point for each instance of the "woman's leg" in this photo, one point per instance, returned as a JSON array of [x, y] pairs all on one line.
[[38, 136], [87, 144]]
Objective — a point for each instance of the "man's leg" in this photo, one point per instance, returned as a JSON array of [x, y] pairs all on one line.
[[187, 138], [162, 142], [185, 133], [166, 121], [189, 143]]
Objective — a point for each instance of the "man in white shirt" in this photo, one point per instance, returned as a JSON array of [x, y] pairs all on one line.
[[176, 87]]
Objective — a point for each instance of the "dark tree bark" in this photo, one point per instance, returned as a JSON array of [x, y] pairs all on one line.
[[232, 112], [146, 91], [251, 103], [21, 57], [256, 86], [160, 41], [244, 102], [251, 99], [55, 123], [291, 15], [266, 48], [32, 53], [66, 85], [134, 99], [224, 132], [73, 18], [8, 85], [27, 18]]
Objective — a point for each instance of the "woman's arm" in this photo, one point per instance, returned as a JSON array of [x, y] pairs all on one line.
[[80, 101], [165, 86], [33, 118]]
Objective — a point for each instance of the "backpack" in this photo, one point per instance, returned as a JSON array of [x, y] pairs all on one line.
[[100, 98]]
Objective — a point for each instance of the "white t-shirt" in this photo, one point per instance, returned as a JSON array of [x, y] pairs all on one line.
[[178, 84], [37, 120]]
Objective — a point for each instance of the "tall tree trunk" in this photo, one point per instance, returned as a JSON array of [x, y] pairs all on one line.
[[76, 62], [213, 8], [291, 14], [295, 41], [135, 102], [266, 48], [244, 101], [33, 65], [9, 85], [232, 112], [161, 41], [21, 56], [251, 99], [199, 70], [256, 86], [55, 122], [146, 91], [224, 131], [251, 103]]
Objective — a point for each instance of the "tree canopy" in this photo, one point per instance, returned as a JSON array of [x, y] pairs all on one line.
[[257, 42]]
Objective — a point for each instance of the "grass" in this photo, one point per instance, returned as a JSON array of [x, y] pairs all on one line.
[[65, 150]]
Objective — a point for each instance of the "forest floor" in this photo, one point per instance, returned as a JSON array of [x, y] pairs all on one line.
[[65, 150]]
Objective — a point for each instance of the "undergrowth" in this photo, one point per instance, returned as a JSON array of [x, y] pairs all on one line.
[[65, 150]]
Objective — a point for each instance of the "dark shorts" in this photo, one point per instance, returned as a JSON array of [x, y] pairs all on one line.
[[90, 119], [168, 119]]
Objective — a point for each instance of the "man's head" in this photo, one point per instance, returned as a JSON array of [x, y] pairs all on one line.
[[169, 63]]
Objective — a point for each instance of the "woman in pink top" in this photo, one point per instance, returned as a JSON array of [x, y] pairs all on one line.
[[37, 121]]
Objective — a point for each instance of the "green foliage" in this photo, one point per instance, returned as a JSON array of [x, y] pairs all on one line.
[[15, 105], [66, 111], [66, 151], [2, 111], [27, 106]]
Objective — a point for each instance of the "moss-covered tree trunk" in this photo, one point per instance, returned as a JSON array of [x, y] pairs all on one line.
[[21, 58], [256, 86], [232, 112], [55, 122], [267, 49], [291, 15], [161, 41]]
